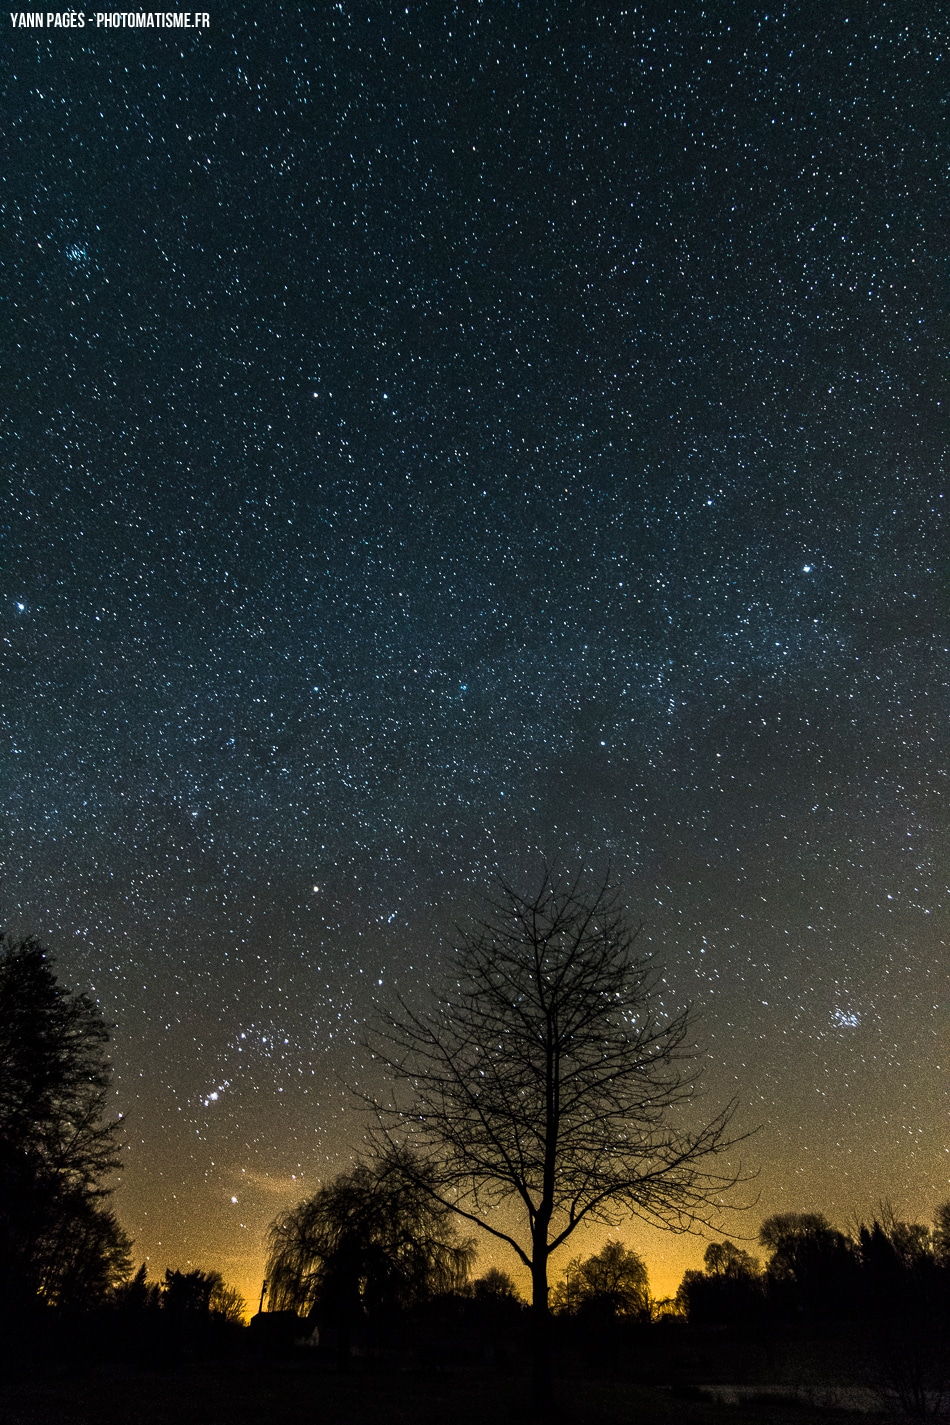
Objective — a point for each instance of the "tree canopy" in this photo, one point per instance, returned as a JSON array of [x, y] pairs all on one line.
[[729, 1290], [811, 1264], [613, 1282], [58, 1241], [369, 1240]]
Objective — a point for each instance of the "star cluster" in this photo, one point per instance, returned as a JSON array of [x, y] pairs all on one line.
[[447, 436]]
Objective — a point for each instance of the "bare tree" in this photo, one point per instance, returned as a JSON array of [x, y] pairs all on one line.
[[548, 1085]]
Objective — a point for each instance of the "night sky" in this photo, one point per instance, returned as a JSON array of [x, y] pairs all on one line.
[[444, 436]]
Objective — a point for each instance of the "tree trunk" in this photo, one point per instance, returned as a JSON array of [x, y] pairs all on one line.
[[541, 1387]]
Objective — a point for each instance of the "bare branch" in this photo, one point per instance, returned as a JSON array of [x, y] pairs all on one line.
[[547, 1081]]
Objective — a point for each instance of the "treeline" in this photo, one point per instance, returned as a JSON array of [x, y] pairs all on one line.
[[880, 1270], [540, 1087], [372, 1264], [375, 1241]]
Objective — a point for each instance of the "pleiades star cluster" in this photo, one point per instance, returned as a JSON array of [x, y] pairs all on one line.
[[448, 435]]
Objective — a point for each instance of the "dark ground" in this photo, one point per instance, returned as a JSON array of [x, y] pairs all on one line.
[[293, 1393], [437, 1370]]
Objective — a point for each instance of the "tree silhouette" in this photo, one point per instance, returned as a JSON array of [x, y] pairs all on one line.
[[726, 1260], [57, 1240], [545, 1081], [138, 1296], [368, 1242], [199, 1311], [812, 1269], [495, 1287], [187, 1295], [86, 1254], [200, 1294], [611, 1283], [904, 1305], [941, 1234], [729, 1291]]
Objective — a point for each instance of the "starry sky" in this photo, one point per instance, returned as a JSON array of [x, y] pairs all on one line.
[[446, 435]]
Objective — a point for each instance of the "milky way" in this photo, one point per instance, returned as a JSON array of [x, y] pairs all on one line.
[[445, 436]]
